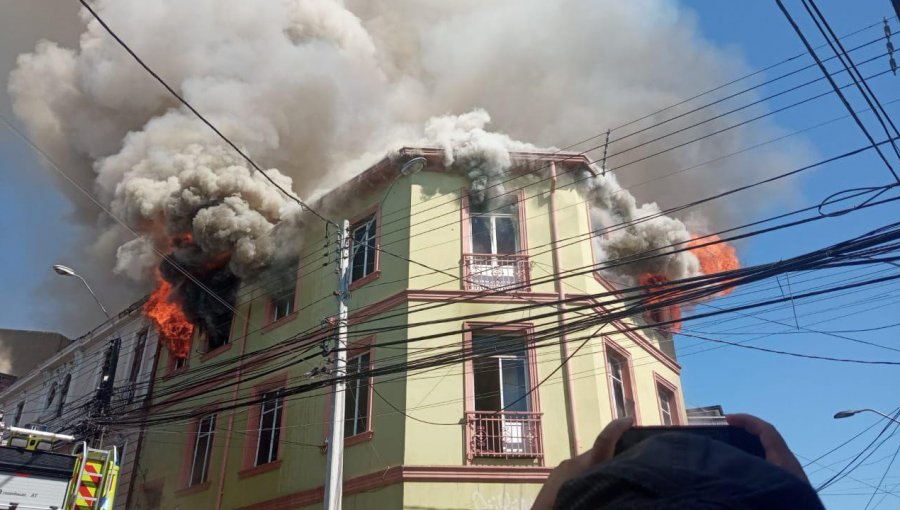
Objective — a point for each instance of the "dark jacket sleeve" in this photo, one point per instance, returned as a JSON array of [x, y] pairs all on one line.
[[686, 471]]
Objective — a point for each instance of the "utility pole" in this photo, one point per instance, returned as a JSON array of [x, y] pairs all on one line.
[[334, 471]]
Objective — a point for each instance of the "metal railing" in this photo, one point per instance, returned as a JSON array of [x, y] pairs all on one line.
[[496, 272], [503, 435]]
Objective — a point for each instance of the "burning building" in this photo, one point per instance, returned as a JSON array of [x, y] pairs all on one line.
[[315, 91], [507, 438]]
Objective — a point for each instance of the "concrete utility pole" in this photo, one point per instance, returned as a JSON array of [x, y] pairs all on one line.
[[334, 474]]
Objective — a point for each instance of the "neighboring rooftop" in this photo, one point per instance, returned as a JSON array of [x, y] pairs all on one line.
[[22, 350], [708, 415]]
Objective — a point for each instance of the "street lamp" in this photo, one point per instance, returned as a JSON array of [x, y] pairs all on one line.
[[850, 412], [68, 271]]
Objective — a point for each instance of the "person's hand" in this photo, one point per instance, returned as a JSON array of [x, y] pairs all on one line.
[[777, 451], [603, 450]]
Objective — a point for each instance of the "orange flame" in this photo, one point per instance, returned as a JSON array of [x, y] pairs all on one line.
[[714, 258], [173, 327], [666, 313]]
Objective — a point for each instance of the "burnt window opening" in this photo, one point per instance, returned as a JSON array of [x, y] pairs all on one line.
[[19, 409], [63, 395]]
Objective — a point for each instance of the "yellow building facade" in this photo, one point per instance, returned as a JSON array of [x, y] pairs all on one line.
[[458, 395]]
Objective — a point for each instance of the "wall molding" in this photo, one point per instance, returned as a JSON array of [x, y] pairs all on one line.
[[406, 474]]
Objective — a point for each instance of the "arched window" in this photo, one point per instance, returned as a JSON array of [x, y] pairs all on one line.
[[51, 395], [63, 394]]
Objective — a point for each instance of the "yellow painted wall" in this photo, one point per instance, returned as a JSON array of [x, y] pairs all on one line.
[[429, 430]]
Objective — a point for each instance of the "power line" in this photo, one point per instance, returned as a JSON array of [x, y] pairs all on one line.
[[834, 86]]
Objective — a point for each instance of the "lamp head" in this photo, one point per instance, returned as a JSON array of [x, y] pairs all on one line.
[[63, 270], [415, 165], [844, 414]]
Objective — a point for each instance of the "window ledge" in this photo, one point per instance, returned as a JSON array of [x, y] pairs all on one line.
[[278, 323], [175, 373], [258, 470], [216, 352], [362, 437], [193, 489], [374, 275]]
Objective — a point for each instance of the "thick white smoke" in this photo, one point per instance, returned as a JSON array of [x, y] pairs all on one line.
[[315, 90]]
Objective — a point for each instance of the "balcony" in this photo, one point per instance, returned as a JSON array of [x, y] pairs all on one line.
[[496, 272], [505, 435]]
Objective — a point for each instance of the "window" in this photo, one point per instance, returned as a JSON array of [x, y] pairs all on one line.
[[667, 407], [495, 226], [495, 259], [619, 384], [363, 248], [51, 395], [19, 409], [500, 373], [269, 428], [138, 358], [202, 450], [356, 403], [283, 305], [63, 394], [179, 363], [501, 420], [136, 363]]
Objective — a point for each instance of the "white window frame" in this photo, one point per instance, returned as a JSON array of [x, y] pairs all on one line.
[[492, 216], [371, 238], [275, 411], [203, 432], [277, 305], [668, 406], [616, 363], [351, 423]]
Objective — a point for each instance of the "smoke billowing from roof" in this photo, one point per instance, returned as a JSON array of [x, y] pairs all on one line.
[[316, 90]]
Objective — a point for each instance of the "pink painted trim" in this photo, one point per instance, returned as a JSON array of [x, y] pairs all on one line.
[[374, 210], [193, 489], [226, 452], [406, 474], [640, 340], [465, 245], [385, 170], [280, 322], [466, 230], [525, 328], [671, 388], [260, 469], [571, 414], [630, 387], [187, 452], [354, 349], [215, 352], [251, 438]]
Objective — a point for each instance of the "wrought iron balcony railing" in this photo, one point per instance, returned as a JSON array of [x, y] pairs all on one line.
[[496, 272], [503, 435]]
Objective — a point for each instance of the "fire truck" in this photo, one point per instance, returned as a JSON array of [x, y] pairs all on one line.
[[32, 477]]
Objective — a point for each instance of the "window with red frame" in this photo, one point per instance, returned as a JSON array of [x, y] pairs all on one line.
[[269, 428], [202, 454], [620, 384], [356, 403], [667, 409], [363, 248]]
